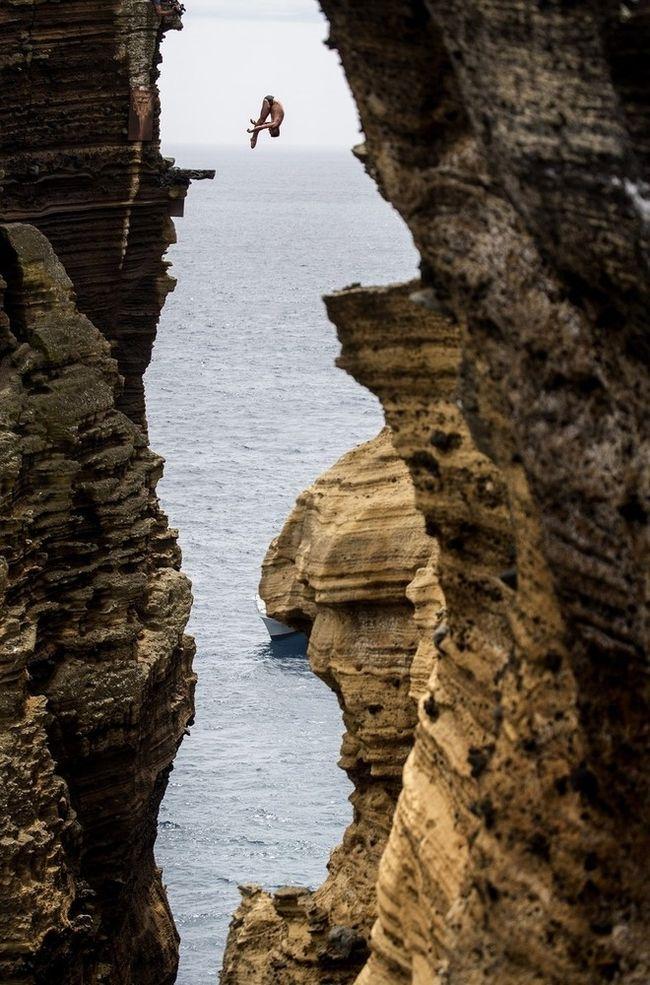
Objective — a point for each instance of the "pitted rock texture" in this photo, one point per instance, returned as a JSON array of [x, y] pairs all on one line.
[[488, 725], [340, 569], [68, 167], [513, 139], [96, 670]]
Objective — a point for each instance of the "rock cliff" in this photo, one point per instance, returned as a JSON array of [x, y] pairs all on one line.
[[513, 138], [97, 684], [80, 159], [340, 570], [96, 672]]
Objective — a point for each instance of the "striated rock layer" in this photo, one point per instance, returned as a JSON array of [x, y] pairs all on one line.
[[96, 672], [491, 740], [71, 163], [513, 138], [340, 570]]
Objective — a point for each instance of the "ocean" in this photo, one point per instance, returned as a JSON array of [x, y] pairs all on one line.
[[247, 407]]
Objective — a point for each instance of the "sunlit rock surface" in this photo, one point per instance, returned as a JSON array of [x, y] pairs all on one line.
[[448, 808], [340, 569]]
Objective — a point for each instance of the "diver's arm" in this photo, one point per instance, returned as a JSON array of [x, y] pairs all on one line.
[[261, 126]]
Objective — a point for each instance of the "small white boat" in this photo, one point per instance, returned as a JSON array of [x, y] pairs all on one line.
[[275, 629]]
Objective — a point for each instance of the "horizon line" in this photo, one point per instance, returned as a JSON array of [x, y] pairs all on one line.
[[243, 146]]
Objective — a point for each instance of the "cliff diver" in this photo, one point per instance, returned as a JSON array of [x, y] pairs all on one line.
[[273, 107]]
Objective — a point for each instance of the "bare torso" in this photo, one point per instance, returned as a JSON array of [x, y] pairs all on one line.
[[277, 112], [274, 110]]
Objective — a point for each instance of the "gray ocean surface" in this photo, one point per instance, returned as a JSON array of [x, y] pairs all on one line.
[[247, 407]]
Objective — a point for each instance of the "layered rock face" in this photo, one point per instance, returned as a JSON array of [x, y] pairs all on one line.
[[81, 160], [467, 785], [340, 570], [513, 139], [96, 671]]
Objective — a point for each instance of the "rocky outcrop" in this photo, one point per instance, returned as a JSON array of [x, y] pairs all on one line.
[[340, 570], [80, 159], [96, 671], [479, 738], [410, 357]]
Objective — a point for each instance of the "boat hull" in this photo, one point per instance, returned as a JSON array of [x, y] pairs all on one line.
[[276, 630]]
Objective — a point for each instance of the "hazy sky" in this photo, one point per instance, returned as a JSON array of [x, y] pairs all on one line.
[[232, 52]]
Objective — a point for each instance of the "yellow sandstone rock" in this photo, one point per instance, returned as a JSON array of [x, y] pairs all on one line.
[[341, 569]]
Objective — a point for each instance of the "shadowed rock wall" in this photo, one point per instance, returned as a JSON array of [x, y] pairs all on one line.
[[96, 672], [103, 200]]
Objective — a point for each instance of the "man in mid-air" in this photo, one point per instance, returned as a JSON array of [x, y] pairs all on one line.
[[273, 107]]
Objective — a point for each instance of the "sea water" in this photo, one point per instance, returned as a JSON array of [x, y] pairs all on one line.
[[248, 408]]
